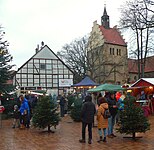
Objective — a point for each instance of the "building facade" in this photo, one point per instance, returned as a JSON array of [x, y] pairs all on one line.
[[107, 53], [44, 71], [133, 69]]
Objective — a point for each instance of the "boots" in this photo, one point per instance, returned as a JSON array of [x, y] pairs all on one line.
[[100, 139], [89, 141], [22, 126], [82, 141], [104, 140]]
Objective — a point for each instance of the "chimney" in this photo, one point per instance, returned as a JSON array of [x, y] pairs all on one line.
[[37, 48]]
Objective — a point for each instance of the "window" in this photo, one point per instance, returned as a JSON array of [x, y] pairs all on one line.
[[66, 76], [36, 60], [119, 52], [48, 61], [42, 66], [36, 81], [24, 75], [60, 71], [42, 61], [49, 66], [55, 76], [111, 51], [30, 70], [30, 65]]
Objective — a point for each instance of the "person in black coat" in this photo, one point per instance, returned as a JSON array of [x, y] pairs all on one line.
[[62, 104], [87, 115]]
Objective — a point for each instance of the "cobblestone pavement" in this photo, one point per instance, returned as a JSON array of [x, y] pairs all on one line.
[[66, 137]]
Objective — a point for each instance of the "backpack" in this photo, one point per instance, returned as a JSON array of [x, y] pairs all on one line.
[[106, 114]]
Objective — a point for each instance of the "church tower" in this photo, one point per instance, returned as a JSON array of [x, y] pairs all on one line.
[[105, 19], [107, 52]]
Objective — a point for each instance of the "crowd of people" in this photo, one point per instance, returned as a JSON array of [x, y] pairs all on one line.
[[110, 101], [94, 106], [22, 112]]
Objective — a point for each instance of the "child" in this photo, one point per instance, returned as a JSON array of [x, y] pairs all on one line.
[[16, 115]]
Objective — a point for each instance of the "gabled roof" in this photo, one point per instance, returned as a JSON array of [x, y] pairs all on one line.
[[144, 82], [35, 55], [85, 82], [133, 68], [113, 36]]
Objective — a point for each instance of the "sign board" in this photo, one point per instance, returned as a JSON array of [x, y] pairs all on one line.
[[31, 88], [65, 82]]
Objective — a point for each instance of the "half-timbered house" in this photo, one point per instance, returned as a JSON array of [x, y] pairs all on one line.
[[44, 71]]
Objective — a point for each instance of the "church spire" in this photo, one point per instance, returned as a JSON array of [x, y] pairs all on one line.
[[105, 19], [105, 12]]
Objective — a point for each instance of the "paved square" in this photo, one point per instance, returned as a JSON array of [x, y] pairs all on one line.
[[66, 137]]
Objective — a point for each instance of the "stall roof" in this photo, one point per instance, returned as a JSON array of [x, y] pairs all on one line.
[[107, 87], [85, 82], [144, 82]]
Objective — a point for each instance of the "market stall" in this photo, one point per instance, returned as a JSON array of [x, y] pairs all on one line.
[[143, 90], [84, 85]]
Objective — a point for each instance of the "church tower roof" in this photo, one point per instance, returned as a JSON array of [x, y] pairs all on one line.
[[105, 12], [105, 19]]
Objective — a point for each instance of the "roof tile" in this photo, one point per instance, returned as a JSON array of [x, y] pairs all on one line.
[[132, 65], [113, 36]]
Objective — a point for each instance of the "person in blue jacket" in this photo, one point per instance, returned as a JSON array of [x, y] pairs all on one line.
[[25, 112]]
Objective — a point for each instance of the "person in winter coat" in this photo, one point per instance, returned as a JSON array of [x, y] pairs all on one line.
[[102, 122], [25, 112], [16, 117], [62, 105], [111, 100], [87, 115]]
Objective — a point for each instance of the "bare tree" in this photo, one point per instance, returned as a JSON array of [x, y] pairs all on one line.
[[75, 56], [84, 59], [138, 15]]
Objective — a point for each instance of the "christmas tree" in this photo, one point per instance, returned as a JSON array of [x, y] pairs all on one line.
[[132, 119], [45, 114], [71, 99], [5, 67], [76, 109]]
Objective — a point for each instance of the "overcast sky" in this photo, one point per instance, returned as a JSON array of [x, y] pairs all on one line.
[[56, 22]]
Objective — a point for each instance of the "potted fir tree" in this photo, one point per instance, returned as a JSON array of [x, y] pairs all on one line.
[[45, 114], [132, 119]]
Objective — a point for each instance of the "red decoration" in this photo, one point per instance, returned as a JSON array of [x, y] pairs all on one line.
[[2, 109]]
